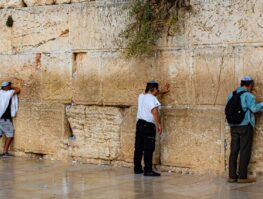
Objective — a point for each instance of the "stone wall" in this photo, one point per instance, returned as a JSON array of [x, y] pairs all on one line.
[[65, 56]]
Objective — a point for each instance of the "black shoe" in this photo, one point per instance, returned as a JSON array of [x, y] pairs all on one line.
[[7, 155], [232, 180], [152, 173], [138, 171]]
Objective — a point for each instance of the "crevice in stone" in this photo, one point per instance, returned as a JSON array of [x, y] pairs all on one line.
[[63, 33], [24, 3], [76, 56], [35, 155]]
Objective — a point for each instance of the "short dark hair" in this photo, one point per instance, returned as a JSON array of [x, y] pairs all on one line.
[[246, 83], [151, 87]]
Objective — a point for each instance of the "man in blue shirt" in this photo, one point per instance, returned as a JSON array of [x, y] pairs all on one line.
[[242, 134]]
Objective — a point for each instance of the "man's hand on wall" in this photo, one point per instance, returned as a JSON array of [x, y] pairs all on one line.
[[165, 89]]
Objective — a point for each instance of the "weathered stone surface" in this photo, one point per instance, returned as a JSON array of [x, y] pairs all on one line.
[[97, 130], [56, 76], [251, 63], [41, 29], [107, 78], [11, 3], [87, 86], [99, 28], [175, 68], [123, 80], [229, 21], [38, 2], [39, 127], [5, 32], [127, 135], [192, 140], [49, 79], [214, 75], [22, 70], [62, 1]]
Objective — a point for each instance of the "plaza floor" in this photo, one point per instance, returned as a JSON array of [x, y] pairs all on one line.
[[34, 179]]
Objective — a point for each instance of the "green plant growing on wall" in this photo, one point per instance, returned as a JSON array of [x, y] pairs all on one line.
[[9, 21], [149, 20]]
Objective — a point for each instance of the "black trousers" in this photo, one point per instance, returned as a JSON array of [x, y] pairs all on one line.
[[144, 145], [241, 143]]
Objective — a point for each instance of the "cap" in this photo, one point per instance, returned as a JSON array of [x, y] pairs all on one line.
[[4, 84], [152, 82], [247, 78]]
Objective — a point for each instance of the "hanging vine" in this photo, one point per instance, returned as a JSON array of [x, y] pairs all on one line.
[[149, 20]]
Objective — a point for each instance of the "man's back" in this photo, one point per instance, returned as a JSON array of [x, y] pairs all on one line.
[[249, 105], [146, 102]]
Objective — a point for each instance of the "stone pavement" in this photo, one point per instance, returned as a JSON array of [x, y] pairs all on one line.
[[26, 179]]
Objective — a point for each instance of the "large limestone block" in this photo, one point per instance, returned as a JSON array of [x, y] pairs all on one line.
[[87, 75], [257, 151], [62, 1], [175, 68], [11, 3], [48, 78], [97, 130], [38, 2], [177, 36], [5, 32], [127, 135], [56, 77], [107, 78], [193, 138], [124, 79], [214, 75], [39, 127], [41, 29], [251, 63], [99, 27], [103, 22], [22, 70], [230, 21]]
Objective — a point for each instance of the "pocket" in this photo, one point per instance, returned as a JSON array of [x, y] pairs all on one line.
[[151, 143]]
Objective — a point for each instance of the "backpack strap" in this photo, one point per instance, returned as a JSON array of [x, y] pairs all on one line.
[[240, 93]]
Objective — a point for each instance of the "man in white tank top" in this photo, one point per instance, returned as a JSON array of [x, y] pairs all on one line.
[[148, 119]]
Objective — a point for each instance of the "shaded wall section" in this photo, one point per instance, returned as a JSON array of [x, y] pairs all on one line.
[[74, 79]]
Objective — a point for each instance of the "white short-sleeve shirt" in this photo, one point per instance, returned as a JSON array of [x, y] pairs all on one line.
[[147, 102]]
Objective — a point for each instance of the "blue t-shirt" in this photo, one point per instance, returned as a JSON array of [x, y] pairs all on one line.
[[249, 105]]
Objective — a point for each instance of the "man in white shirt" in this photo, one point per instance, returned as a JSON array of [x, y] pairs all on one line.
[[6, 126], [148, 119]]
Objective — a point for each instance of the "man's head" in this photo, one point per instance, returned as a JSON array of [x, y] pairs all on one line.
[[152, 87], [248, 83], [6, 86]]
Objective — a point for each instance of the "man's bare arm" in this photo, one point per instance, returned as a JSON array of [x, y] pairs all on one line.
[[17, 90], [165, 89], [157, 119]]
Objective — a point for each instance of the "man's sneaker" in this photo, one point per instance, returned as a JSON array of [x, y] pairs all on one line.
[[232, 180], [152, 173], [138, 171], [7, 155], [248, 180]]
